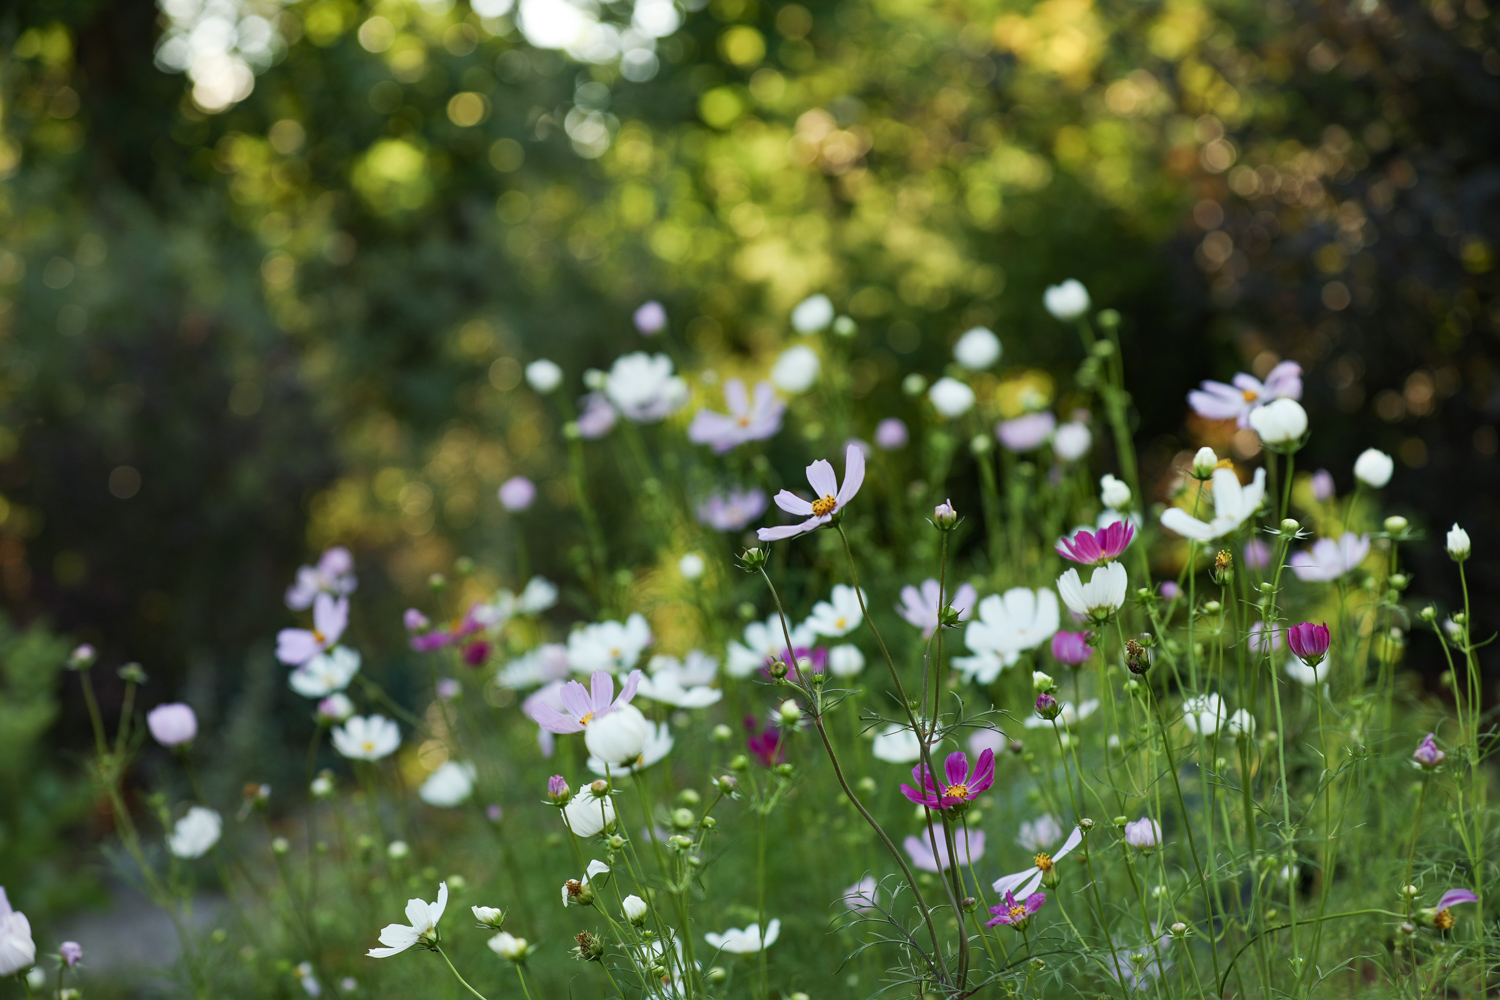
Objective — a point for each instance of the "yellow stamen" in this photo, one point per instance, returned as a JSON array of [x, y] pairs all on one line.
[[957, 792], [744, 421], [1044, 861], [317, 637], [1250, 395], [585, 720], [1443, 921], [824, 505], [1017, 912]]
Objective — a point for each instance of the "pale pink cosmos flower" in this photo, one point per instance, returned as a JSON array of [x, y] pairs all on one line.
[[1218, 401], [1329, 559], [334, 574], [748, 419], [583, 705], [295, 646], [173, 724], [831, 498], [970, 847], [517, 493], [1026, 433], [920, 607], [650, 319], [863, 897], [733, 509], [596, 417], [891, 434]]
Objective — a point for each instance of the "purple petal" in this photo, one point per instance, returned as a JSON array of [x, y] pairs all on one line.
[[1455, 896], [957, 767], [821, 478], [854, 473], [781, 531]]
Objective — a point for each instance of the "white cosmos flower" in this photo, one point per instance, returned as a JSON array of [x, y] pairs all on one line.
[[363, 737], [977, 349], [1233, 506], [590, 878], [1203, 713], [659, 743], [1066, 301], [1024, 882], [1018, 620], [17, 947], [1374, 468], [420, 927], [543, 375], [587, 813], [1101, 597], [1072, 441], [1114, 493], [845, 660], [1280, 421], [643, 388], [983, 667], [839, 616], [1305, 675], [609, 645], [1241, 724], [1037, 834], [194, 834], [812, 314], [796, 369], [746, 941], [548, 662], [1458, 543], [618, 738], [325, 673], [897, 744], [764, 640], [448, 786], [681, 684], [950, 397], [1068, 715]]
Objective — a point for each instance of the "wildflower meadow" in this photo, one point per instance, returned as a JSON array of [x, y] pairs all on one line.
[[869, 740]]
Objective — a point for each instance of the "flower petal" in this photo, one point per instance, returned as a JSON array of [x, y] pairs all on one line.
[[793, 504], [854, 473], [779, 532], [821, 478]]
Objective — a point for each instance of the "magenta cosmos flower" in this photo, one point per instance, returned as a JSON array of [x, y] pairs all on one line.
[[963, 785], [1014, 914], [1427, 753], [831, 497], [1218, 401], [1072, 648], [748, 419], [583, 705], [295, 646], [1309, 642], [1095, 548]]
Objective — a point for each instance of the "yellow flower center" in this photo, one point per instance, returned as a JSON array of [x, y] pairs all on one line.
[[824, 505], [1443, 921], [1017, 912], [585, 720], [744, 421], [1044, 861], [841, 622], [1250, 395], [615, 653], [957, 792], [368, 746], [317, 637]]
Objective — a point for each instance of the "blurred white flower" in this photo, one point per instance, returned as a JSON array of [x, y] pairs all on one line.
[[745, 941], [608, 645], [196, 833], [950, 397], [17, 947], [1280, 421], [1374, 468], [764, 640], [1203, 713], [449, 785], [839, 616], [1018, 620], [977, 349], [812, 314], [845, 660], [325, 673], [1068, 715], [1072, 441], [1241, 724], [1066, 301], [642, 387], [692, 566], [796, 369], [1040, 834], [369, 738], [1305, 675], [548, 662], [897, 744], [1113, 493], [682, 684], [543, 376]]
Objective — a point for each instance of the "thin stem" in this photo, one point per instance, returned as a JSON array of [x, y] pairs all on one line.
[[460, 978]]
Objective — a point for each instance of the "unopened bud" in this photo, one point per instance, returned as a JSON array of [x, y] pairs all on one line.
[[1179, 929], [790, 713], [722, 733], [1042, 682], [1047, 706], [727, 783], [1396, 524], [944, 516], [778, 669], [683, 819], [280, 845], [132, 673], [1289, 526], [753, 559]]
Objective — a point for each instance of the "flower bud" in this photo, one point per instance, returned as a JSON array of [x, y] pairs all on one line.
[[280, 846], [722, 733], [1042, 682], [968, 904], [599, 787], [1396, 524], [785, 770], [716, 975], [1047, 706], [588, 948], [778, 669], [489, 916], [1212, 607], [727, 783], [1204, 463], [683, 819], [1290, 526], [1458, 543], [635, 909], [322, 785], [132, 673], [945, 517], [739, 763], [753, 559], [1179, 929], [510, 947], [558, 792], [790, 712], [82, 657]]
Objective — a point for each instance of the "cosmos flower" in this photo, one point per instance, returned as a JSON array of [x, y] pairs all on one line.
[[845, 660], [1036, 834], [732, 510], [1144, 834], [1438, 916], [1100, 598], [977, 349], [1096, 548], [1279, 422], [369, 738], [295, 646], [609, 645], [517, 494], [589, 812], [1072, 441], [1374, 468], [658, 744], [897, 744], [642, 387], [962, 783], [1066, 301], [831, 498], [1309, 642], [195, 833], [1202, 714], [745, 941], [863, 897], [1329, 559], [748, 419], [681, 683], [1246, 393], [764, 641], [1072, 648], [812, 314], [596, 417], [766, 744], [1010, 623], [325, 673], [1016, 914], [920, 606], [17, 948], [1234, 504], [950, 397], [891, 434], [796, 369], [970, 846], [547, 662], [650, 318], [544, 376], [1026, 433], [420, 927], [172, 724], [1427, 754], [838, 616], [333, 575]]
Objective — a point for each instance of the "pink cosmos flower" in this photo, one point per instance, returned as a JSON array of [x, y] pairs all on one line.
[[1309, 642], [1427, 753], [583, 705], [295, 646], [1264, 638], [1026, 433], [863, 897], [963, 785], [334, 574], [748, 419], [1322, 486], [1329, 559], [650, 319], [427, 640], [172, 724], [732, 510], [596, 417], [1014, 914], [831, 498], [1169, 590], [970, 849], [549, 695], [766, 743], [920, 607], [1095, 548], [517, 493], [1257, 554], [891, 434], [1218, 401], [1438, 916], [1072, 648]]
